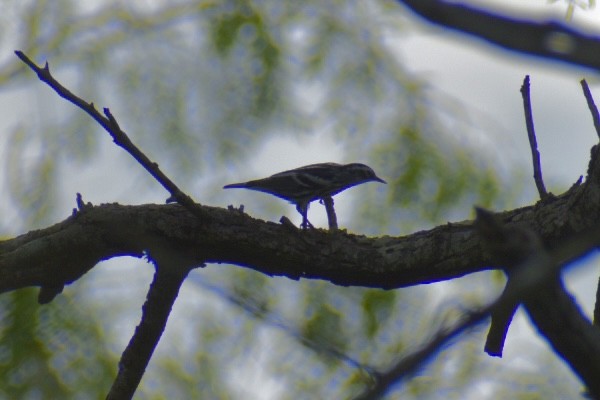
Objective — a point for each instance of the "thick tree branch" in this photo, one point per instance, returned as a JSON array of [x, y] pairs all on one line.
[[510, 247], [551, 40], [500, 322], [534, 281], [64, 252], [596, 119], [557, 317], [171, 270]]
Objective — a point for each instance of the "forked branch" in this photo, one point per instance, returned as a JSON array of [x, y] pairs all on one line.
[[109, 123]]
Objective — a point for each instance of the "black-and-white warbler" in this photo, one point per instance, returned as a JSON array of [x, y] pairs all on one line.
[[303, 185]]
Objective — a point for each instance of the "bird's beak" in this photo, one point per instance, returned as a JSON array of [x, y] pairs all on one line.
[[378, 179]]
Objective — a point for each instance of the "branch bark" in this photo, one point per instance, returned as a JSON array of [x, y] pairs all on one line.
[[64, 252], [551, 40]]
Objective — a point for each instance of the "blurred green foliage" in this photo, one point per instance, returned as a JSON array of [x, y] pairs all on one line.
[[46, 351], [572, 5], [200, 86]]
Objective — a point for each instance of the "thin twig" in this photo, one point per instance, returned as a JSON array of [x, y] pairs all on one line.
[[331, 217], [592, 106], [409, 364], [254, 309], [597, 307], [109, 123], [535, 154]]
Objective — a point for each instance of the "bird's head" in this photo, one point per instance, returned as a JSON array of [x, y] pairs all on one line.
[[360, 173]]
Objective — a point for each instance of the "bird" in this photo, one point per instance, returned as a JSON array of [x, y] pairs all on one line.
[[303, 185]]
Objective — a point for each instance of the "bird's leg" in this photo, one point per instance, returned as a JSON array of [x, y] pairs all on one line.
[[303, 210]]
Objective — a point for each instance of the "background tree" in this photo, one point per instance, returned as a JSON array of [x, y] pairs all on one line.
[[204, 88]]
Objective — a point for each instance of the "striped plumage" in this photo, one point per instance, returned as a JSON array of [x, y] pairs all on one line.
[[311, 182]]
